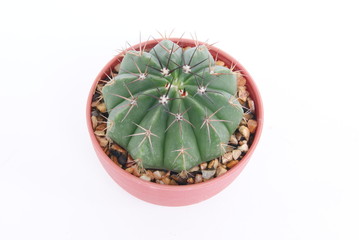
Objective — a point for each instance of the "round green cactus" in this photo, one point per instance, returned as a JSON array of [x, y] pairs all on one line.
[[173, 108]]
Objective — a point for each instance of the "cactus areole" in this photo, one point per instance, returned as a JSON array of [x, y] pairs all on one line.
[[172, 107]]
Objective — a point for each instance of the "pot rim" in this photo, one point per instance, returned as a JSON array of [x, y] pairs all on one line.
[[221, 55]]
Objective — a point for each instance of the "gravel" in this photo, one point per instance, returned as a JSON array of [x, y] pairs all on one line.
[[236, 149]]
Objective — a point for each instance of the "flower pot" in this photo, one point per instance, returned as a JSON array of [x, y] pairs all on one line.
[[176, 195]]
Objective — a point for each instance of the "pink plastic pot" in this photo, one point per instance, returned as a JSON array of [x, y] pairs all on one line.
[[170, 195]]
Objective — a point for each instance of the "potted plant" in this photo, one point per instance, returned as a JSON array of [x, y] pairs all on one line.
[[174, 121]]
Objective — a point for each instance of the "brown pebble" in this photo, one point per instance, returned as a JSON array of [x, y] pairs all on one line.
[[238, 136], [145, 177], [173, 182], [242, 93], [129, 170], [244, 131], [227, 157], [100, 133], [242, 142], [208, 174], [210, 164], [114, 159], [232, 163], [251, 105], [220, 171], [220, 63], [150, 174], [101, 127], [101, 107], [216, 163], [194, 169], [244, 147], [118, 148], [94, 122], [236, 154], [167, 174], [166, 180], [198, 178], [183, 175], [158, 175], [190, 180], [203, 165], [247, 116], [102, 141], [233, 140], [107, 151], [179, 179], [136, 171], [252, 125], [213, 164], [94, 104], [130, 162], [241, 81]]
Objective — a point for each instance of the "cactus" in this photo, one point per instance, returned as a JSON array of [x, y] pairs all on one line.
[[172, 108]]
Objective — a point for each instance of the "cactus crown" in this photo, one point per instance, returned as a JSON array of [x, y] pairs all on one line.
[[172, 107]]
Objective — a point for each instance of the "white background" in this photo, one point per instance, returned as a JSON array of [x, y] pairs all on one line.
[[302, 182]]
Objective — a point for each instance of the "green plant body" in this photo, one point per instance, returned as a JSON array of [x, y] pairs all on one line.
[[172, 107]]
